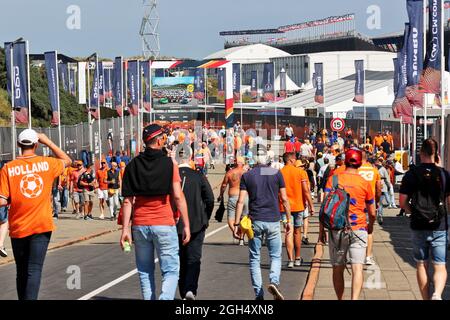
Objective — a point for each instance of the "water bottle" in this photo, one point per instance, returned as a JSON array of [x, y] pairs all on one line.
[[126, 247]]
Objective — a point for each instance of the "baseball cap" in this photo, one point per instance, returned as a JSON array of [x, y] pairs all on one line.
[[151, 131], [28, 137]]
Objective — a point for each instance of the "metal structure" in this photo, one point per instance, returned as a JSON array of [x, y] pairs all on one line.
[[149, 30]]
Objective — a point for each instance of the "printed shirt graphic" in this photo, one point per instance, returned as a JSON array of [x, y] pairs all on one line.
[[370, 174], [27, 184], [360, 194]]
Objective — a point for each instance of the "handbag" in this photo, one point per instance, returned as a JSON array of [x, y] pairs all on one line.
[[220, 212]]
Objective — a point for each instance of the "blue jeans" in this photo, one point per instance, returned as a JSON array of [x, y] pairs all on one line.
[[425, 241], [272, 232], [165, 240], [56, 201], [64, 196]]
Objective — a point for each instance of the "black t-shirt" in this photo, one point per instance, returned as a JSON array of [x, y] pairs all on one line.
[[386, 147], [113, 175], [410, 185], [87, 177], [320, 146]]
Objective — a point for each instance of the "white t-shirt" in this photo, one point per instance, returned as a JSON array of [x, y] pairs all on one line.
[[322, 170], [288, 131], [306, 150]]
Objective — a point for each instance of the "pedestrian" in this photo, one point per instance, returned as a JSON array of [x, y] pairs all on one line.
[[88, 183], [385, 185], [125, 158], [76, 190], [306, 213], [307, 149], [200, 201], [354, 241], [102, 190], [3, 230], [26, 186], [263, 185], [288, 132], [423, 194], [297, 147], [151, 181], [114, 183]]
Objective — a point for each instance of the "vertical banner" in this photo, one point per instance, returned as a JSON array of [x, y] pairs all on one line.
[[283, 93], [401, 106], [396, 76], [221, 82], [314, 80], [415, 52], [72, 81], [64, 76], [319, 96], [94, 97], [107, 91], [133, 78], [118, 86], [254, 86], [101, 83], [51, 65], [19, 92], [199, 84], [431, 78], [359, 81], [268, 82], [82, 82], [228, 79], [147, 85], [237, 82]]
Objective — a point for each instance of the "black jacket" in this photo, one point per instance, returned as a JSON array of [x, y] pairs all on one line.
[[199, 199]]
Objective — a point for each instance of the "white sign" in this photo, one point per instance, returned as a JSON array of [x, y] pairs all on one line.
[[82, 82], [337, 124]]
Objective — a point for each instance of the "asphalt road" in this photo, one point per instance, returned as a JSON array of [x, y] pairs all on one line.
[[105, 272]]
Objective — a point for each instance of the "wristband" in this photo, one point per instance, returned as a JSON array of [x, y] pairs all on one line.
[[236, 224]]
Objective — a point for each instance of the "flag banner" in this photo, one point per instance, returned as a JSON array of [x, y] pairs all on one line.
[[82, 82], [133, 87], [237, 82], [430, 81], [64, 76], [228, 86], [199, 84], [319, 96], [101, 83], [94, 98], [51, 65], [401, 106], [359, 81], [314, 80], [72, 82], [221, 82], [254, 86], [146, 70], [268, 82], [415, 47], [396, 75], [107, 83], [283, 93], [20, 79], [118, 86], [159, 73]]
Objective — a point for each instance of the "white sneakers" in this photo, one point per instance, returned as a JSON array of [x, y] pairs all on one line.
[[3, 252], [290, 264], [298, 262], [436, 297], [189, 296], [370, 261]]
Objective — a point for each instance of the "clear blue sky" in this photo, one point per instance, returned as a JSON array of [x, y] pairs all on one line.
[[187, 28]]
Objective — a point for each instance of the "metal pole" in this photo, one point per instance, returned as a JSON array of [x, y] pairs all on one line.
[[204, 72], [13, 115], [29, 90], [89, 107], [414, 135], [240, 93], [401, 133], [138, 83], [122, 124], [443, 106], [98, 109], [425, 98], [57, 100], [365, 124]]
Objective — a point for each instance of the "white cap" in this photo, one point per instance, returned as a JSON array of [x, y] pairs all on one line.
[[28, 137]]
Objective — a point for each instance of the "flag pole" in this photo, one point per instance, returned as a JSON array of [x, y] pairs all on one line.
[[151, 91], [204, 74], [425, 97], [89, 107], [98, 110], [57, 99], [122, 128], [240, 93], [13, 115], [29, 90], [443, 106]]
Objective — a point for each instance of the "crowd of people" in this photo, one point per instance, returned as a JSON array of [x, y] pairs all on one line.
[[164, 202]]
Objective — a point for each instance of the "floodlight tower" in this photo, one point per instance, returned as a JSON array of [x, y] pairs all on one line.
[[149, 29]]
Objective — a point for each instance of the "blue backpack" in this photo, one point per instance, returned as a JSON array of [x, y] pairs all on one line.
[[333, 213]]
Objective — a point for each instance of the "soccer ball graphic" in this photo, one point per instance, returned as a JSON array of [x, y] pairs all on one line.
[[31, 186]]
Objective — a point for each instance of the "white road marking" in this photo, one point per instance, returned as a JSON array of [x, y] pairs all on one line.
[[133, 272]]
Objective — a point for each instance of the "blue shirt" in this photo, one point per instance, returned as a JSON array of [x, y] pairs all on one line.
[[263, 185]]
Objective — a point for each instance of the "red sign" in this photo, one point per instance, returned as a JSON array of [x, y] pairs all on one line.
[[337, 124]]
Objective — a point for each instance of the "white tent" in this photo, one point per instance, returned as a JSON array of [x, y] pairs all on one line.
[[290, 85]]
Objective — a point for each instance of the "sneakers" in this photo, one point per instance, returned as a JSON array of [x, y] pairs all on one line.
[[102, 217], [369, 261], [298, 262], [241, 242], [305, 240], [89, 217], [3, 252], [189, 296], [290, 264], [436, 297], [275, 291], [55, 217]]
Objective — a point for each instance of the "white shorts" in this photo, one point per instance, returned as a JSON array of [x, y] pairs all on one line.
[[102, 194]]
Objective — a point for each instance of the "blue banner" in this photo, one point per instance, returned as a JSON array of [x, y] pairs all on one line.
[[146, 83], [20, 79], [319, 98], [254, 85], [396, 75], [133, 87], [94, 98], [199, 84], [72, 82], [236, 82], [64, 75], [107, 83], [268, 82], [101, 83], [118, 86], [221, 82], [51, 65], [359, 81]]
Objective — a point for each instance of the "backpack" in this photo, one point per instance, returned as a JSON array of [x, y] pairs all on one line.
[[86, 177], [333, 213], [428, 202]]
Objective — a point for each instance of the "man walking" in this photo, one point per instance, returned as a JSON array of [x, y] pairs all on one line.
[[76, 191], [102, 175], [26, 185], [150, 182], [88, 182], [114, 183], [263, 185], [200, 201]]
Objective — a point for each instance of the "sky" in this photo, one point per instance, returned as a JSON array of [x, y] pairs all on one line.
[[188, 29]]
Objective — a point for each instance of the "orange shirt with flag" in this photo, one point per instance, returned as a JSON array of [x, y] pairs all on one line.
[[27, 185], [293, 178]]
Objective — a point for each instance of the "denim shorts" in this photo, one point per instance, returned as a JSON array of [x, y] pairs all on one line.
[[3, 215], [424, 240], [297, 217], [232, 205]]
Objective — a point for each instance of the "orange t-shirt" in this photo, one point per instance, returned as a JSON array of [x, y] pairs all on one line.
[[155, 211], [378, 140], [122, 172], [64, 178], [27, 185], [74, 178], [370, 174], [293, 178], [101, 177], [339, 170], [360, 194]]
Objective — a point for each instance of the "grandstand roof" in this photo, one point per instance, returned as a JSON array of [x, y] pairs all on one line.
[[337, 91], [256, 53]]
